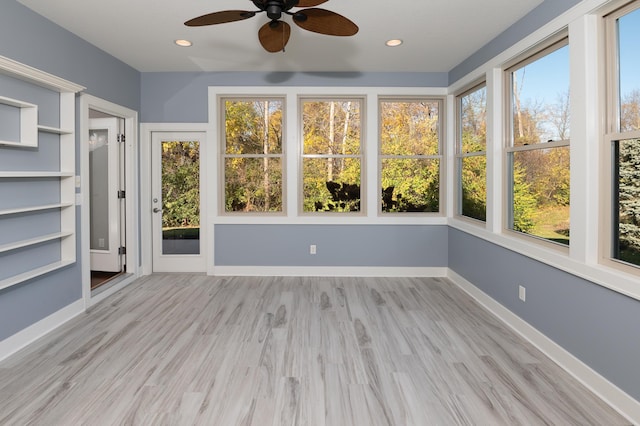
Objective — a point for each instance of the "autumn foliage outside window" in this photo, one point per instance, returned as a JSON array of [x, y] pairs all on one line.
[[538, 153], [252, 155], [471, 153], [410, 155], [332, 155]]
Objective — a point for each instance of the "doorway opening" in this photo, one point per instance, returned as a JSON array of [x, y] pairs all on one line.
[[108, 198]]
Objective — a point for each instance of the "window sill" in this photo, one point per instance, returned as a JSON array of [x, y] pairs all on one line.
[[609, 277]]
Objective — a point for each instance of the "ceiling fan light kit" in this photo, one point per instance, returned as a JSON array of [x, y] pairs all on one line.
[[274, 35]]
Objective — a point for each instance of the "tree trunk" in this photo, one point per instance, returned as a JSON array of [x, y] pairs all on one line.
[[265, 160], [332, 139]]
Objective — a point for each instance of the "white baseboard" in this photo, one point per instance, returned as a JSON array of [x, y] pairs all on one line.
[[329, 271], [14, 343], [607, 391]]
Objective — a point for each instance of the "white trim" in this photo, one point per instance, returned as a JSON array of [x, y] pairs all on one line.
[[206, 174], [618, 281], [26, 336], [33, 75], [131, 187], [604, 389], [111, 290], [330, 271]]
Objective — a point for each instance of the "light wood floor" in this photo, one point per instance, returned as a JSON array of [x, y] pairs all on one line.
[[186, 349]]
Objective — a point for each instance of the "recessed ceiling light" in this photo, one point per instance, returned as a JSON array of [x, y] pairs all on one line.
[[394, 42], [183, 43]]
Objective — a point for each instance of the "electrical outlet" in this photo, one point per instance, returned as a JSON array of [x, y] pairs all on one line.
[[522, 293], [312, 249]]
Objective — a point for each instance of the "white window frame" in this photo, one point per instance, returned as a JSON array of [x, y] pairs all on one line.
[[302, 98], [460, 155], [221, 100], [539, 51], [440, 156], [612, 135]]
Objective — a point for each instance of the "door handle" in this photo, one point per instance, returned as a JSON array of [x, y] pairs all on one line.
[[156, 210]]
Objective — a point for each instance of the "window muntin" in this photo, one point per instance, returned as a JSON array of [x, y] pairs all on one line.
[[623, 140], [410, 155], [471, 153], [252, 157], [332, 155], [538, 150]]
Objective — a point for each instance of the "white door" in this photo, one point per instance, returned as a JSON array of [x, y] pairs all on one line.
[[105, 203], [176, 200]]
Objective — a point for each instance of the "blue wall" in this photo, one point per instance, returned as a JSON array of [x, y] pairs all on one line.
[[535, 19], [597, 325], [31, 39], [28, 38], [181, 97], [337, 245]]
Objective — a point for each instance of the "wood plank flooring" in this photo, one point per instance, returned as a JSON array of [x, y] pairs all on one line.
[[191, 349]]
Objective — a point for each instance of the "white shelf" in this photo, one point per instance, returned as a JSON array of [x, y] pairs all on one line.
[[54, 130], [34, 208], [27, 122], [16, 279], [33, 241], [23, 174], [31, 132]]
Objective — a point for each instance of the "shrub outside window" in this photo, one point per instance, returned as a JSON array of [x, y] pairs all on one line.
[[252, 155], [410, 155], [471, 153], [332, 155], [538, 150]]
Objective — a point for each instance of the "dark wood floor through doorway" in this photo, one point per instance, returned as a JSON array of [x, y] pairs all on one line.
[[99, 278]]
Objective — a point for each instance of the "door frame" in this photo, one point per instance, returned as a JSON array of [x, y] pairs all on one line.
[[146, 138], [130, 117]]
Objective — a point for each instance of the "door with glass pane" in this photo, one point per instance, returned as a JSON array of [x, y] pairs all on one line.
[[176, 195]]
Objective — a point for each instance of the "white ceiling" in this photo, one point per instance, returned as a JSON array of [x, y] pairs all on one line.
[[437, 34]]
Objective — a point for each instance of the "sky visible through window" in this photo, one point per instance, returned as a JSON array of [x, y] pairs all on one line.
[[543, 86], [629, 39]]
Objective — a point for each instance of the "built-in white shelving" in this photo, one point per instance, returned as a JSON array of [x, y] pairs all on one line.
[[33, 241], [43, 207], [54, 130], [27, 123], [34, 273], [23, 174], [29, 133]]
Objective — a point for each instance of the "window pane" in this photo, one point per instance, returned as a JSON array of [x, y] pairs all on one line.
[[626, 245], [253, 184], [331, 184], [474, 187], [540, 193], [629, 40], [473, 112], [540, 99], [253, 126], [410, 185], [331, 127], [180, 197], [409, 128]]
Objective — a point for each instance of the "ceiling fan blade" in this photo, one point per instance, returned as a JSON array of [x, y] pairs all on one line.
[[324, 22], [310, 3], [274, 36], [219, 18]]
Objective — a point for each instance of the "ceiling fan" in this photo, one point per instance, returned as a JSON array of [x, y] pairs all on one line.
[[274, 35]]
